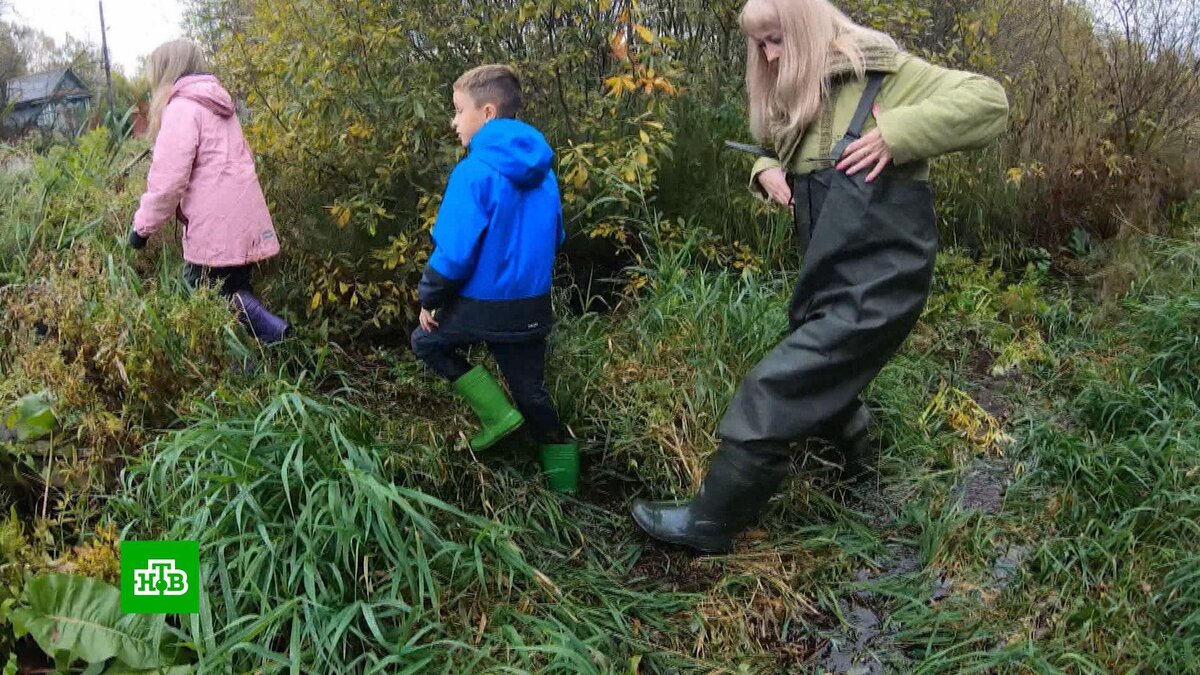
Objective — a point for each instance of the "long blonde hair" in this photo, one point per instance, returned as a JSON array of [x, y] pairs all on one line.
[[786, 97], [167, 63]]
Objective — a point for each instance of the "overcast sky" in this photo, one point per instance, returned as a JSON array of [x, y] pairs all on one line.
[[135, 27]]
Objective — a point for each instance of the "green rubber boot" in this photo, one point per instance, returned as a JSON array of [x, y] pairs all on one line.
[[487, 399], [560, 462]]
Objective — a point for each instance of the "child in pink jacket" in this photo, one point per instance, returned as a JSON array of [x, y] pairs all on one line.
[[203, 172]]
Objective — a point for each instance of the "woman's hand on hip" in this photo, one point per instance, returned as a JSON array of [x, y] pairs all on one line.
[[774, 182], [868, 152]]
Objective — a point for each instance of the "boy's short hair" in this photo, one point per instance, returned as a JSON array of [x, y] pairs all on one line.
[[496, 84]]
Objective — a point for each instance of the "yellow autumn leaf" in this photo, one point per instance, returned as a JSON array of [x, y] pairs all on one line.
[[316, 300], [620, 47], [644, 33], [615, 85]]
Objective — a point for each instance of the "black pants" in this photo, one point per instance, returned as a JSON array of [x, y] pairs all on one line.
[[522, 363], [228, 280]]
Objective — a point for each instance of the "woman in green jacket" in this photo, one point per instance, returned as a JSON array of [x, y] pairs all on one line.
[[854, 122]]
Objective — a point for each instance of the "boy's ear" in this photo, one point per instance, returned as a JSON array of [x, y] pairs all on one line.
[[489, 111]]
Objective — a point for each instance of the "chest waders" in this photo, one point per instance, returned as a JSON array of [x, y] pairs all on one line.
[[866, 274]]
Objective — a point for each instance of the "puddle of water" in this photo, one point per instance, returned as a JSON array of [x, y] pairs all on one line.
[[846, 664], [861, 645], [865, 623], [904, 559], [1005, 567], [983, 488], [852, 645], [945, 585]]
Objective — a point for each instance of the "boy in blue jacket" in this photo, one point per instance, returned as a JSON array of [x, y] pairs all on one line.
[[488, 278]]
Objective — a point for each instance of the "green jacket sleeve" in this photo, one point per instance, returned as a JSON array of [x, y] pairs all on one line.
[[940, 110], [761, 165]]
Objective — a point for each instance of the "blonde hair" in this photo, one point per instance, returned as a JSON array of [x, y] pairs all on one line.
[[167, 63], [496, 84], [785, 97]]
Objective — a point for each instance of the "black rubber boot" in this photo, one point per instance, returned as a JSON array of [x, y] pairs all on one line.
[[738, 485], [851, 436]]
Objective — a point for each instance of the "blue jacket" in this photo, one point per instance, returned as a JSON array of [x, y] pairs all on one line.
[[496, 234]]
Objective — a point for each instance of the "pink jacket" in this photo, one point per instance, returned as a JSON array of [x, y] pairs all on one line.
[[202, 166]]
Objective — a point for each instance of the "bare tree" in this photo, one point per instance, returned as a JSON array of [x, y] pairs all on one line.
[[12, 63], [212, 22], [1152, 67]]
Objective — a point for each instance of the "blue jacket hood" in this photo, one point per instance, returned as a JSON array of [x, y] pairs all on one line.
[[515, 149]]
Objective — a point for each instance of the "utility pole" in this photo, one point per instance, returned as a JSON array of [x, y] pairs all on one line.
[[107, 67]]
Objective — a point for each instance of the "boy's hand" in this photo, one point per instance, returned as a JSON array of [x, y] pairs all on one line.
[[428, 323]]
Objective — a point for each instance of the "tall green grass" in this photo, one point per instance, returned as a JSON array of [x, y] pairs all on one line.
[[650, 382], [1108, 500], [69, 194], [313, 555]]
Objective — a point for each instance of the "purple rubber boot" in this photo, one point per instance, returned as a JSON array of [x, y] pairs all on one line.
[[267, 327]]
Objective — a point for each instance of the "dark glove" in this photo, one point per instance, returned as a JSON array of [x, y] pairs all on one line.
[[136, 240]]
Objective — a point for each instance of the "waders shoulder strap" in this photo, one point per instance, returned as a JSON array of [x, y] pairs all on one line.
[[854, 132], [874, 82]]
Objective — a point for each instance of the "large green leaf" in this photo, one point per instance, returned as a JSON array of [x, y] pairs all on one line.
[[80, 617], [171, 670], [32, 417]]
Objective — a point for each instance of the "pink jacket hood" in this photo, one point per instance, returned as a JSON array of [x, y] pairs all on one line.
[[206, 90]]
